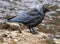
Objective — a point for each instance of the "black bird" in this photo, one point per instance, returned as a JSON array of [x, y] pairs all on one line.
[[31, 18]]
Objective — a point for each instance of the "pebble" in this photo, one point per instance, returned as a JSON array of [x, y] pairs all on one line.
[[11, 41], [58, 10], [57, 35], [4, 35], [1, 39], [14, 33]]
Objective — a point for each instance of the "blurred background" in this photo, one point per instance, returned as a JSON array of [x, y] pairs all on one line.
[[50, 25]]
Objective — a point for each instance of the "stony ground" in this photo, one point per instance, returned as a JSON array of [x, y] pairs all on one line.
[[48, 30], [14, 37]]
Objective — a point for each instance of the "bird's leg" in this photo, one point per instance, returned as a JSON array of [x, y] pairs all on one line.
[[30, 29], [33, 30]]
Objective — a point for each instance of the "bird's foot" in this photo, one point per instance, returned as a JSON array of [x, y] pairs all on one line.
[[33, 32]]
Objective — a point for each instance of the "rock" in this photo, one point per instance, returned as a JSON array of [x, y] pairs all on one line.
[[57, 10], [35, 39], [13, 26], [57, 41], [2, 23], [50, 41], [53, 7], [14, 34], [4, 35], [57, 35], [11, 41], [1, 39], [50, 36], [52, 12]]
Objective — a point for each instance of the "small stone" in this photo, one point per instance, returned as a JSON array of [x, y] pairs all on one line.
[[16, 40], [57, 35], [58, 10], [57, 41], [1, 39], [11, 41], [14, 33], [4, 35], [50, 35]]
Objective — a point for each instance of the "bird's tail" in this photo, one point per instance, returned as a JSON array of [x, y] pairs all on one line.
[[11, 18]]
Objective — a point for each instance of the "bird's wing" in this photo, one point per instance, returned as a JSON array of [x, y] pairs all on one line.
[[22, 17]]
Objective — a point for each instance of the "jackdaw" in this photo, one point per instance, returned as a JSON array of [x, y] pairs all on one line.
[[30, 18]]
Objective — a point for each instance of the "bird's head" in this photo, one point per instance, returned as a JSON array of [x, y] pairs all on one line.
[[45, 9], [41, 8]]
